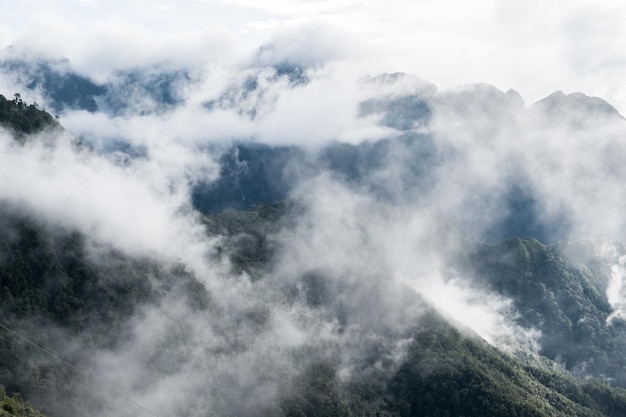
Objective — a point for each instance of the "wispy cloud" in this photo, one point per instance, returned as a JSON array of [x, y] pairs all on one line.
[[352, 275], [534, 48]]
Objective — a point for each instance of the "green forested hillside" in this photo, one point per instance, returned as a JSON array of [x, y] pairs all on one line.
[[47, 279], [51, 290], [14, 406], [23, 119], [451, 374], [446, 372], [61, 307], [560, 290]]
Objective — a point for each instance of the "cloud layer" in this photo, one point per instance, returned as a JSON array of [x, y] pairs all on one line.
[[534, 48], [370, 248]]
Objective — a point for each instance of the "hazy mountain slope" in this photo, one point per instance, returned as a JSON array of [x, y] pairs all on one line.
[[56, 295], [51, 290], [424, 135], [134, 90], [576, 109], [437, 140], [255, 174], [320, 272], [452, 374], [62, 88], [561, 290], [252, 174], [50, 283], [447, 372]]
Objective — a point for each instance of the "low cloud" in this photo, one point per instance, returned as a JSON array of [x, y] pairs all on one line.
[[370, 250], [141, 208]]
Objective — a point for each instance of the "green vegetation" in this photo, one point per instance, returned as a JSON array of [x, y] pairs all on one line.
[[455, 375], [247, 241], [14, 406], [52, 290], [48, 280], [560, 290], [23, 119], [450, 374]]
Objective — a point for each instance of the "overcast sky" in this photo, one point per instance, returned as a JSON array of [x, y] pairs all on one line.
[[532, 46]]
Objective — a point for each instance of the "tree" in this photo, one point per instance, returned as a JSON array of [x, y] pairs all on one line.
[[19, 103]]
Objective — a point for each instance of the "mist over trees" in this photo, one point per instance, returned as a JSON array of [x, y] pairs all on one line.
[[290, 238]]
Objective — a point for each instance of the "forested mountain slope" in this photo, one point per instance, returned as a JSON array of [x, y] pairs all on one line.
[[562, 290], [51, 290], [302, 286], [24, 119]]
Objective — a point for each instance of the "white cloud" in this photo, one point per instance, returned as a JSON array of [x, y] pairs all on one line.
[[533, 47], [141, 209], [375, 260]]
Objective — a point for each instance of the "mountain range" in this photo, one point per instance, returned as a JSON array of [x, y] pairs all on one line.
[[464, 261]]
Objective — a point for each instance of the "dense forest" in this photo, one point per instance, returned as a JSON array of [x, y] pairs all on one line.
[[24, 119]]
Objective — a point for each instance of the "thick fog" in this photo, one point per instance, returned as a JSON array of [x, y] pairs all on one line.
[[369, 248]]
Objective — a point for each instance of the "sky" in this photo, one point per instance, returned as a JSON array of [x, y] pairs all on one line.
[[531, 46]]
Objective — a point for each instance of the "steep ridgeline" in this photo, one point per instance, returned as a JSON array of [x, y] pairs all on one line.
[[449, 374], [24, 119], [446, 372], [564, 291]]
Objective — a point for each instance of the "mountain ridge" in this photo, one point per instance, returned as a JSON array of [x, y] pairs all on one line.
[[290, 318], [64, 89]]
